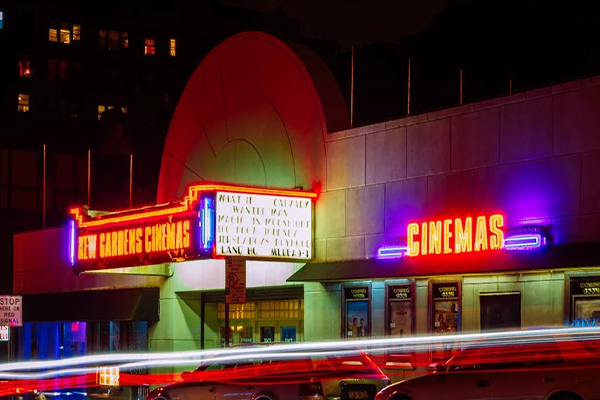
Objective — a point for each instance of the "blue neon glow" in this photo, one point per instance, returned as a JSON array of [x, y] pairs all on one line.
[[72, 242], [524, 242], [206, 223], [392, 251]]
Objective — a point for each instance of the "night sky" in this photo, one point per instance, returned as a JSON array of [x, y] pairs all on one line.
[[354, 22]]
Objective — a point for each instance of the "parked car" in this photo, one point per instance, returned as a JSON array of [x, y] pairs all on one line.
[[533, 367], [267, 376]]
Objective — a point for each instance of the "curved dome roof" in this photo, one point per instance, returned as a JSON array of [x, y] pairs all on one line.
[[250, 114]]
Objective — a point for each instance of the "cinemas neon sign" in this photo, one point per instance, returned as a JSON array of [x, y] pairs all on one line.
[[211, 221], [457, 235]]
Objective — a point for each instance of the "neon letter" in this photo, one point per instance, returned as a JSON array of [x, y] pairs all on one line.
[[463, 237], [424, 238], [412, 244], [435, 237], [497, 237], [481, 242], [447, 236], [186, 234]]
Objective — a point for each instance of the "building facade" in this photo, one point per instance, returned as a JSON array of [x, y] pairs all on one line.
[[492, 210]]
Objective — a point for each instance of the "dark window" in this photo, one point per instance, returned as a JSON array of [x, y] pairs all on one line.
[[113, 40], [102, 38], [64, 70], [52, 69], [124, 40]]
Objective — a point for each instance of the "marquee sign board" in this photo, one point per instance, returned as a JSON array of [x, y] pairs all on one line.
[[212, 221]]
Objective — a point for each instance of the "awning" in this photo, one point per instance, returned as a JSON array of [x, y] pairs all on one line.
[[285, 292], [132, 304], [552, 257]]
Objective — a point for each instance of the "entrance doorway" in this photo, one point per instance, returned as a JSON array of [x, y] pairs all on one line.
[[278, 331], [500, 311], [267, 321]]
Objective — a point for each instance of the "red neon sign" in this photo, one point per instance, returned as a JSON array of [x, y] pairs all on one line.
[[456, 235]]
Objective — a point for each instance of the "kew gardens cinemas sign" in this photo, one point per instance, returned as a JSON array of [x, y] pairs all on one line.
[[212, 221]]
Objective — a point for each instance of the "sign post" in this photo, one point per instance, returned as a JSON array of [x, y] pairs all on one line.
[[235, 287]]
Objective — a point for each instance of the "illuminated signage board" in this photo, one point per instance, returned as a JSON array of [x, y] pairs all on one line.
[[263, 226], [211, 221], [4, 333], [458, 235]]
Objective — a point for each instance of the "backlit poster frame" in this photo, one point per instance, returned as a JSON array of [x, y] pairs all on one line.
[[357, 304], [445, 314], [400, 314], [396, 294], [583, 300]]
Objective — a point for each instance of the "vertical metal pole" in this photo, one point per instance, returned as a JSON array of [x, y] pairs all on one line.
[[408, 100], [510, 86], [352, 89], [130, 180], [461, 88], [226, 324], [44, 191], [89, 180]]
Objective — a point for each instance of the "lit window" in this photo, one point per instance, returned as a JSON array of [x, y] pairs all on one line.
[[113, 40], [23, 102], [24, 69], [149, 47], [1, 19], [76, 33], [124, 40], [124, 110], [52, 35], [102, 38], [52, 68], [65, 33], [173, 47], [101, 109], [64, 70]]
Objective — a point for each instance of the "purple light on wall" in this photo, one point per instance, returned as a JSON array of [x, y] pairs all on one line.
[[524, 242], [391, 251], [72, 242], [207, 218]]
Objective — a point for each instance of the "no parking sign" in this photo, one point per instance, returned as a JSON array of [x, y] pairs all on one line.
[[235, 280]]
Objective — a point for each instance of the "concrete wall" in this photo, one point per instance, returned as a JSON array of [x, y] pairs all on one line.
[[41, 265], [180, 304], [534, 156]]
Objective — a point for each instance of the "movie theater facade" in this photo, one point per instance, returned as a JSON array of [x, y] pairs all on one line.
[[477, 217]]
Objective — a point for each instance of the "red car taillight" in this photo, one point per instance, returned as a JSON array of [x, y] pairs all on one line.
[[311, 389]]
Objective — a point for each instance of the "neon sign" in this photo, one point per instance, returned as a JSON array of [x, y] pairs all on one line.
[[459, 235], [279, 226]]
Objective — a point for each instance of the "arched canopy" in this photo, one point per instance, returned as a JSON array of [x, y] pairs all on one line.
[[250, 115]]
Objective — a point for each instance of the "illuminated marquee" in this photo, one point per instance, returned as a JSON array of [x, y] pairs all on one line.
[[459, 235], [211, 221], [263, 226]]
